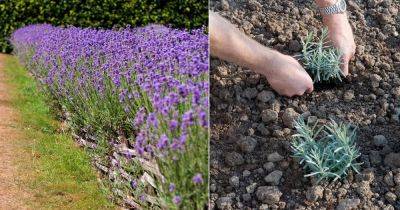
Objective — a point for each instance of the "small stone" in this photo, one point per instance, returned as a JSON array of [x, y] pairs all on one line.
[[274, 177], [268, 194], [375, 79], [234, 159], [269, 115], [265, 96], [294, 46], [274, 157], [234, 181], [393, 160], [213, 187], [247, 144], [348, 204], [396, 179], [289, 116], [250, 93], [246, 173], [246, 197], [224, 5], [380, 140], [348, 95], [388, 179], [250, 188], [375, 157], [396, 91], [269, 166], [311, 120], [224, 203], [264, 207], [314, 193], [391, 197], [364, 189]]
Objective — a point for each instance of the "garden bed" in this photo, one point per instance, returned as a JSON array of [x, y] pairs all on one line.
[[251, 125]]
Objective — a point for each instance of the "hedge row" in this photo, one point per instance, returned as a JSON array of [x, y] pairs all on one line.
[[99, 13]]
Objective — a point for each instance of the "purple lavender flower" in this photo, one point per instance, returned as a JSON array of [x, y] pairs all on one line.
[[133, 184], [171, 187], [177, 199], [162, 142], [197, 179]]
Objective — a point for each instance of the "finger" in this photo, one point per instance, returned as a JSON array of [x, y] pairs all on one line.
[[345, 66], [310, 89]]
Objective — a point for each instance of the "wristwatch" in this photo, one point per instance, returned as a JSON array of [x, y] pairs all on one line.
[[338, 7]]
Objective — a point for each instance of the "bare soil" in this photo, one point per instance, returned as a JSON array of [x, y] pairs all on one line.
[[245, 109], [12, 196]]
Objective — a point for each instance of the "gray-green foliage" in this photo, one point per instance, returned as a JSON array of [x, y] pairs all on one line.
[[321, 60], [328, 151]]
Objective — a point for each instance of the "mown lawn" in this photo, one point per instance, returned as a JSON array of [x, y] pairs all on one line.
[[56, 171]]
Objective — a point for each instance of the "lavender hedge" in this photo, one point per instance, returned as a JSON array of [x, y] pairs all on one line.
[[138, 97]]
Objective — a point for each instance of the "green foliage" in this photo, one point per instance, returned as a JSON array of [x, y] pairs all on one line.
[[104, 14], [327, 151], [320, 60]]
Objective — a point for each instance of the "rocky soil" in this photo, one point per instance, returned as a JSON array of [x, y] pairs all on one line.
[[251, 163]]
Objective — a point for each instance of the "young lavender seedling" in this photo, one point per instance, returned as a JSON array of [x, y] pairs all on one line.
[[328, 151], [320, 60]]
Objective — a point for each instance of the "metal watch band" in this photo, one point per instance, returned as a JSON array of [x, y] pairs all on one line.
[[338, 7]]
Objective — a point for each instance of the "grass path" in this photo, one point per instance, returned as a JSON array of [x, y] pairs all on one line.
[[40, 168], [11, 195]]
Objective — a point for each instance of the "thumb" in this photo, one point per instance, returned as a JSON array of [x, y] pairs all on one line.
[[345, 66]]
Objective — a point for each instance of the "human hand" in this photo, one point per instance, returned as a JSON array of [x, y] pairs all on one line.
[[285, 75], [341, 36]]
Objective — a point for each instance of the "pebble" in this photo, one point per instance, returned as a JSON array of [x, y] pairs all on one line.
[[268, 194], [265, 96], [348, 95], [347, 204], [294, 46], [314, 193], [269, 115], [375, 79], [396, 91], [246, 173], [274, 177], [250, 188], [375, 157], [393, 160], [247, 144], [234, 159], [224, 5], [224, 203], [396, 179], [246, 197], [391, 197], [312, 120], [213, 187], [269, 166], [289, 116], [380, 140], [250, 93], [274, 157], [234, 181], [388, 179]]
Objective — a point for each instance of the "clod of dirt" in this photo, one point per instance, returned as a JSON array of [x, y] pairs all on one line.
[[314, 193], [388, 179], [269, 166], [289, 116], [375, 157], [348, 95], [274, 177], [265, 96], [380, 140], [364, 189], [247, 144], [348, 204], [224, 203], [391, 197], [268, 194], [274, 157], [234, 181], [269, 116], [234, 159], [393, 160]]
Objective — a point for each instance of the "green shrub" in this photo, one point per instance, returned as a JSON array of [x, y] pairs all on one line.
[[99, 13]]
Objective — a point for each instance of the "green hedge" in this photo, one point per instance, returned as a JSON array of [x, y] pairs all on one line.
[[99, 13]]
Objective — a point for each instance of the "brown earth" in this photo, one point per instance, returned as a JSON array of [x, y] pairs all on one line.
[[248, 123], [12, 196]]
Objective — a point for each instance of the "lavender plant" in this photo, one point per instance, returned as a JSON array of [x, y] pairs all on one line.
[[321, 61], [142, 91], [327, 152]]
